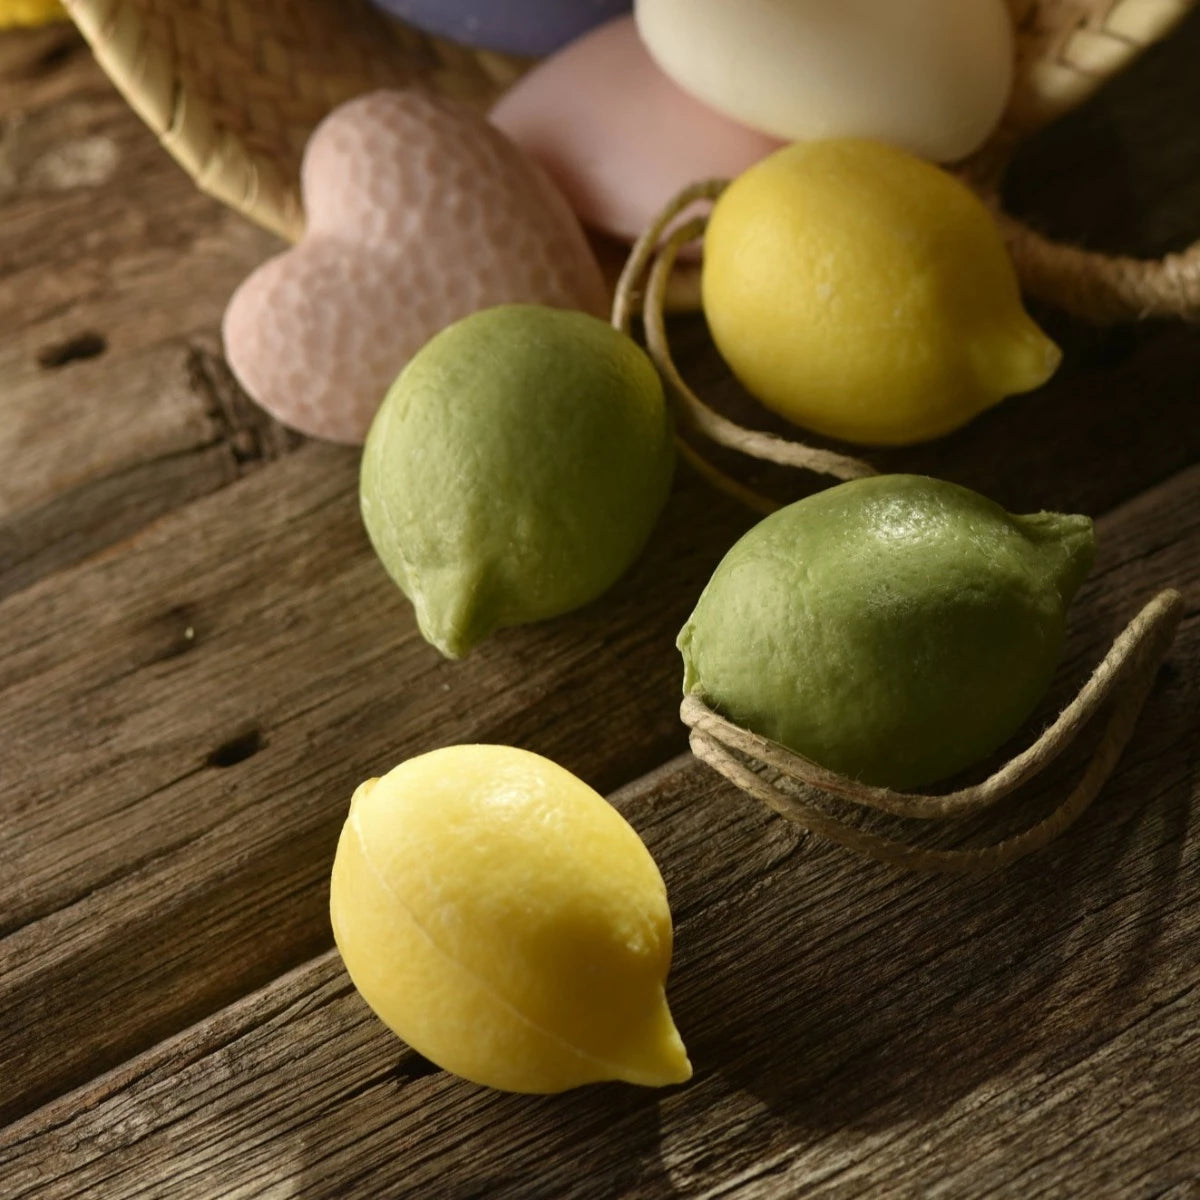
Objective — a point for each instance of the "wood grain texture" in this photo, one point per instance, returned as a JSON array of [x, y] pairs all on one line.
[[213, 693], [199, 658], [114, 403], [302, 669], [855, 1030]]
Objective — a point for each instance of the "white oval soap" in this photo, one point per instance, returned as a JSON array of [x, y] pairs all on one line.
[[616, 134], [930, 76]]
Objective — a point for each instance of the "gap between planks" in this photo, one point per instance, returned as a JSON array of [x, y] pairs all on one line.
[[894, 1073], [1148, 435], [67, 963], [1110, 882]]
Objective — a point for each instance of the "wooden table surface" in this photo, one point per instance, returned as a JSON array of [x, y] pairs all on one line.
[[201, 658]]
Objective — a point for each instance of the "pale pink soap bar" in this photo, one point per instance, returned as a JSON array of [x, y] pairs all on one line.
[[617, 136], [419, 213]]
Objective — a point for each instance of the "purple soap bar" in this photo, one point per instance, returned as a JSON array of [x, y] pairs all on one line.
[[527, 27]]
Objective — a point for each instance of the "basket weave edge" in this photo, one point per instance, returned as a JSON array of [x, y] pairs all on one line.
[[219, 162], [1092, 49]]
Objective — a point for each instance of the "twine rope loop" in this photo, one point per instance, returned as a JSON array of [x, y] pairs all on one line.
[[1124, 677]]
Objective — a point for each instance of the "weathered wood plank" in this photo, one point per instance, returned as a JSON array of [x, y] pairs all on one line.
[[147, 881], [114, 404], [853, 1028], [146, 813], [185, 719]]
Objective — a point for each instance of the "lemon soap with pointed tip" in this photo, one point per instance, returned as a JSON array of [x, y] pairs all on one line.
[[505, 920], [515, 470], [895, 629], [866, 295]]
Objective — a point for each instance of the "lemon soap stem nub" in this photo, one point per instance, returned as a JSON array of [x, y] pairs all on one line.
[[504, 920], [1067, 543], [1012, 361]]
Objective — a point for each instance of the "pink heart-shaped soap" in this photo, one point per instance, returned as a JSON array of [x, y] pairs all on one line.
[[419, 213]]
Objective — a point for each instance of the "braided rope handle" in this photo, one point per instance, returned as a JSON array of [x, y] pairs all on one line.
[[1100, 287], [1103, 288], [1067, 49], [1124, 677], [692, 415]]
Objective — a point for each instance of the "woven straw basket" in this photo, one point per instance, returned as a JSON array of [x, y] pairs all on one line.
[[234, 87]]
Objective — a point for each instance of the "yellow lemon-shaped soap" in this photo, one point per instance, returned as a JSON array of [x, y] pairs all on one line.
[[503, 919], [30, 12], [864, 294]]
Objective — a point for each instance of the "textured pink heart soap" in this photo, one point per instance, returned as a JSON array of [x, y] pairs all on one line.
[[419, 213], [617, 136]]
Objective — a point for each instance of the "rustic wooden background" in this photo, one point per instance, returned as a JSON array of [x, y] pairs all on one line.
[[201, 658]]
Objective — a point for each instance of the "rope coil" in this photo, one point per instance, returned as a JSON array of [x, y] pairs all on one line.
[[645, 279], [1124, 678]]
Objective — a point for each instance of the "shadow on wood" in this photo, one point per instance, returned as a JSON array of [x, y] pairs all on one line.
[[841, 995]]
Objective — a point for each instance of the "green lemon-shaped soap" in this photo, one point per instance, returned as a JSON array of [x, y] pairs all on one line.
[[895, 629], [515, 470]]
